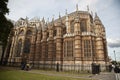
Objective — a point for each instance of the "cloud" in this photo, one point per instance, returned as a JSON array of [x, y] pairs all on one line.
[[46, 8], [113, 43]]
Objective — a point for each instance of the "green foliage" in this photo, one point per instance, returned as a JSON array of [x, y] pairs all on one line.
[[5, 25], [3, 7], [115, 62]]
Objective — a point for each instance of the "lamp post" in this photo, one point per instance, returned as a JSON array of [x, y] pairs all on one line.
[[114, 55]]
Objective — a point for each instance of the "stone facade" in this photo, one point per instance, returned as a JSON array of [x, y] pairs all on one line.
[[76, 38]]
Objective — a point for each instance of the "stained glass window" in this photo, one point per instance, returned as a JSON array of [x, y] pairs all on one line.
[[83, 26], [27, 45], [18, 48]]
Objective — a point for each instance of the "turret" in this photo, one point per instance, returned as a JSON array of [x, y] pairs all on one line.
[[96, 19], [77, 25], [99, 39], [77, 38], [98, 25], [67, 23], [43, 24]]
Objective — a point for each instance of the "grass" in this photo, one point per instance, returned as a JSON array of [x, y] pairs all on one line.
[[65, 73], [12, 74]]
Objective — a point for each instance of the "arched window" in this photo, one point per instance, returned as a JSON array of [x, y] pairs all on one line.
[[64, 30], [83, 26], [27, 45], [18, 48], [87, 48], [29, 32], [72, 27], [68, 49], [21, 32], [47, 34], [55, 32]]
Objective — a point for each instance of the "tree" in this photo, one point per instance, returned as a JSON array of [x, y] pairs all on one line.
[[5, 25]]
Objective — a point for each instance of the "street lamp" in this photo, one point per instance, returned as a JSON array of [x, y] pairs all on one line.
[[114, 55]]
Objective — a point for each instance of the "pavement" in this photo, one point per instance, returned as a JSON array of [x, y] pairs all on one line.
[[105, 76], [117, 75]]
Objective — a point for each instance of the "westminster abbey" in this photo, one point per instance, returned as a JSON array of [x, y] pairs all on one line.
[[78, 38]]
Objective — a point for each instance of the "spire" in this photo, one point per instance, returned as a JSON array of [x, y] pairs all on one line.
[[59, 15], [77, 16], [26, 20], [53, 18], [92, 13], [46, 25], [60, 20], [96, 19], [88, 8], [66, 15], [52, 22], [66, 11], [76, 7], [47, 20], [43, 20], [96, 16]]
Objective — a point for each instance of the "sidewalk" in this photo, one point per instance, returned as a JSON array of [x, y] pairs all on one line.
[[101, 76], [105, 76]]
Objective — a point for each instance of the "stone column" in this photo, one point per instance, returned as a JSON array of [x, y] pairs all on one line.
[[11, 49], [38, 49], [50, 46], [77, 39], [44, 48], [32, 49], [59, 45]]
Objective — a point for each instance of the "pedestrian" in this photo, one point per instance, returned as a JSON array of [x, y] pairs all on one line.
[[27, 66], [57, 67], [23, 64], [116, 69]]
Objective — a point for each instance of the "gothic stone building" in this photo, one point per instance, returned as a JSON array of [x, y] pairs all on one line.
[[77, 38]]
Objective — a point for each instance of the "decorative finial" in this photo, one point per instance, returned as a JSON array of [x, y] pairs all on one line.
[[96, 16], [43, 20], [46, 24], [53, 17], [39, 18], [91, 13], [95, 13], [59, 15], [26, 18], [66, 11], [47, 20], [88, 8], [76, 7]]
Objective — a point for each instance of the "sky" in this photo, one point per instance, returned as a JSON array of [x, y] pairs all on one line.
[[107, 10]]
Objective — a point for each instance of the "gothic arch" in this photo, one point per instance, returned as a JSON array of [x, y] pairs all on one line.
[[27, 45], [83, 26], [72, 26], [29, 32], [19, 48], [21, 32], [54, 32]]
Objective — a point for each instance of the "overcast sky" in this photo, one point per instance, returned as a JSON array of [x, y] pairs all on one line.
[[107, 10]]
